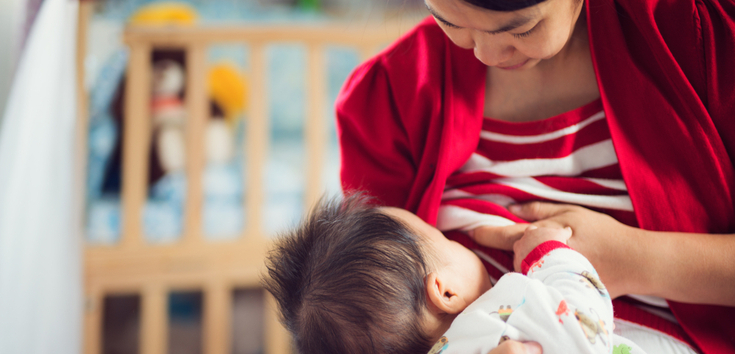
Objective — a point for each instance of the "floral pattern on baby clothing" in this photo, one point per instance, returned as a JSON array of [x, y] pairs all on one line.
[[439, 347], [560, 304]]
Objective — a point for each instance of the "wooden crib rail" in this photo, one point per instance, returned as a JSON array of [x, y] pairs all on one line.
[[194, 41], [215, 268]]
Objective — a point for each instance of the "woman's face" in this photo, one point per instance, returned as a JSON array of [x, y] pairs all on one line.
[[515, 40]]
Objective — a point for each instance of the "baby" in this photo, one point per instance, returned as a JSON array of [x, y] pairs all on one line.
[[355, 278]]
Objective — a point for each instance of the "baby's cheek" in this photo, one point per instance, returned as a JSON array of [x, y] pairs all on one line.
[[483, 278]]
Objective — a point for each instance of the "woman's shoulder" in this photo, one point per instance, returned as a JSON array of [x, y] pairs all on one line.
[[425, 41], [650, 31], [653, 11], [413, 69], [418, 56], [398, 52], [657, 4], [669, 15], [695, 33]]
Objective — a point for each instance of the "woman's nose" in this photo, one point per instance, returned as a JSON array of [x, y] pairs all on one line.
[[492, 53]]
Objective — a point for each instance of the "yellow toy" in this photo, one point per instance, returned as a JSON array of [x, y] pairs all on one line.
[[228, 89], [165, 13]]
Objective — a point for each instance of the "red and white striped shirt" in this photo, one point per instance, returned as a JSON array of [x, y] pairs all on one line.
[[568, 158]]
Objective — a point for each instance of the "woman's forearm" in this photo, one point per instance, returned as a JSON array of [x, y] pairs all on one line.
[[686, 267]]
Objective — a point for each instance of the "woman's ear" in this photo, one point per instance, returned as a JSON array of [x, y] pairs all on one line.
[[443, 295]]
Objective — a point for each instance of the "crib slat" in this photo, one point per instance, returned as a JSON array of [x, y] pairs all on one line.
[[257, 141], [81, 132], [154, 320], [92, 337], [196, 124], [136, 143], [277, 338], [340, 34], [217, 319], [315, 129], [193, 264], [93, 322]]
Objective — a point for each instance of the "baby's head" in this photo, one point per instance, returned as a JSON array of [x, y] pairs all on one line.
[[355, 278]]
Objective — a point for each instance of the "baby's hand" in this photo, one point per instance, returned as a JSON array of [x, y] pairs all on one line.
[[534, 236], [513, 347]]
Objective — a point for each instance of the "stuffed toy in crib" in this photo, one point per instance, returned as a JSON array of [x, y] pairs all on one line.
[[169, 115]]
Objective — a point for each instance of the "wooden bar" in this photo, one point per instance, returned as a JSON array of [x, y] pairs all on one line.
[[92, 338], [196, 125], [217, 318], [154, 320], [315, 128], [82, 126], [214, 267], [136, 143], [180, 265], [93, 312], [335, 33], [277, 338], [257, 141]]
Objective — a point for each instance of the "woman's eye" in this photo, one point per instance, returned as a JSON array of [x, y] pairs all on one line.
[[527, 33], [448, 24], [524, 34]]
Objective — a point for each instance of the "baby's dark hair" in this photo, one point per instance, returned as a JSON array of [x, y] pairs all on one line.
[[350, 279]]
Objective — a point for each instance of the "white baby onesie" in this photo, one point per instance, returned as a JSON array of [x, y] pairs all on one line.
[[560, 304]]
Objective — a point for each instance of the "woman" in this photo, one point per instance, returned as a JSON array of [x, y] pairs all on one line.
[[661, 71]]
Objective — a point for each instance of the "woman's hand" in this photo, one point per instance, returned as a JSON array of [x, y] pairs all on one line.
[[513, 347], [608, 244]]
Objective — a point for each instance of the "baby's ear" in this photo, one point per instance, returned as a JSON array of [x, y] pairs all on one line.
[[442, 294]]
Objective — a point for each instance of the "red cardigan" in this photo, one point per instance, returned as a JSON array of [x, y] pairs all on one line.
[[412, 115]]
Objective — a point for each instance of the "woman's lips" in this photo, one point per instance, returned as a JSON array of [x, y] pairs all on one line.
[[513, 67]]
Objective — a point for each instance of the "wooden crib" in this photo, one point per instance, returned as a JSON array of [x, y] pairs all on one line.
[[151, 271]]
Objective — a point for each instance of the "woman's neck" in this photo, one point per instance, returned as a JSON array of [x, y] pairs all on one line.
[[553, 86]]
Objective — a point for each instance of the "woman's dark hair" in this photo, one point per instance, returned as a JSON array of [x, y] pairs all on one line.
[[350, 279], [504, 5]]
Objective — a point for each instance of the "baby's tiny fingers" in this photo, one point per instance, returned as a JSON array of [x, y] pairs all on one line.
[[514, 347], [500, 237]]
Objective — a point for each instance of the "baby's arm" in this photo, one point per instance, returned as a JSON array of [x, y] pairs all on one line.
[[566, 308], [563, 283], [533, 237], [560, 304]]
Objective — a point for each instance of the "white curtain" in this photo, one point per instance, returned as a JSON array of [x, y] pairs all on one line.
[[12, 16], [40, 230]]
